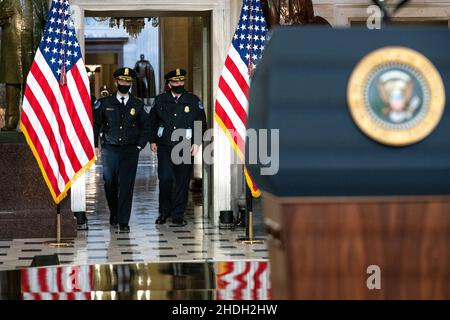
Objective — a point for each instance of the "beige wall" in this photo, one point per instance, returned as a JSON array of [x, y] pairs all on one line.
[[341, 12], [175, 34], [183, 48]]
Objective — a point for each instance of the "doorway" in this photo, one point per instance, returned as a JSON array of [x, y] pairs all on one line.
[[168, 40]]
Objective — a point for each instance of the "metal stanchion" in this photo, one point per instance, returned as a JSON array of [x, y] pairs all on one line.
[[249, 237], [59, 242]]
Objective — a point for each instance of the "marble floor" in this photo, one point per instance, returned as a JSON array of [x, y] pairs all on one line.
[[230, 280], [200, 240]]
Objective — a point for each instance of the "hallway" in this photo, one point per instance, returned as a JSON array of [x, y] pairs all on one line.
[[200, 240]]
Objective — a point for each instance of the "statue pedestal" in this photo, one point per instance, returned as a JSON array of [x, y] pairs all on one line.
[[27, 209]]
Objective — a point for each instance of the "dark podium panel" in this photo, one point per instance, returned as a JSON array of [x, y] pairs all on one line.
[[300, 87], [342, 201]]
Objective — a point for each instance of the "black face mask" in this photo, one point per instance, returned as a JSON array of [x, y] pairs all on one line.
[[178, 89], [123, 89]]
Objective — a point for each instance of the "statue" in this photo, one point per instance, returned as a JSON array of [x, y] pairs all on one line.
[[22, 23], [290, 12], [145, 82]]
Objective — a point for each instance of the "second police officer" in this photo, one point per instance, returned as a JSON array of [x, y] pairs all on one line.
[[175, 109], [123, 121]]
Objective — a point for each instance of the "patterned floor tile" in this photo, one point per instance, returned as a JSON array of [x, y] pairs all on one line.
[[199, 240]]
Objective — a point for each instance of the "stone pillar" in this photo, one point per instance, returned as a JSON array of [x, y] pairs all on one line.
[[27, 209], [78, 189]]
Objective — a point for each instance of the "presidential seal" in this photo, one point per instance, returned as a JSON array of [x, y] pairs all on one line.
[[396, 96]]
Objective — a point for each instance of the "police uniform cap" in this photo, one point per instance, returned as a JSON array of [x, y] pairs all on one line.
[[176, 75], [126, 74]]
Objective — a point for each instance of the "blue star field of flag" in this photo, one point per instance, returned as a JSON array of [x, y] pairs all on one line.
[[251, 32], [59, 44]]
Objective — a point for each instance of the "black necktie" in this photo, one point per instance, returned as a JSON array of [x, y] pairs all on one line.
[[123, 101]]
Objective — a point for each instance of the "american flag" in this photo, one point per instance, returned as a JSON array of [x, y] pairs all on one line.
[[58, 283], [231, 108], [56, 113], [243, 280]]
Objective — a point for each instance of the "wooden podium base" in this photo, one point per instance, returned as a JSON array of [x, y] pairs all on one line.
[[328, 248]]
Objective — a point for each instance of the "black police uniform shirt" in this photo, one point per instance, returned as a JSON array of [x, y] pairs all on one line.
[[169, 114], [121, 125]]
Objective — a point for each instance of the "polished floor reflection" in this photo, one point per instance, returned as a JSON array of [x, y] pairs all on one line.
[[200, 240], [231, 280]]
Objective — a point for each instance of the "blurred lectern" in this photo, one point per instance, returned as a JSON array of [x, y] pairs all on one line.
[[360, 206]]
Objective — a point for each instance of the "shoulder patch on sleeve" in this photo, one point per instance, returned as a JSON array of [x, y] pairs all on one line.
[[200, 105], [97, 104]]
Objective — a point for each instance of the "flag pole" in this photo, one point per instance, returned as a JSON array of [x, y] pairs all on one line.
[[249, 234], [59, 68], [58, 223], [249, 239], [59, 242]]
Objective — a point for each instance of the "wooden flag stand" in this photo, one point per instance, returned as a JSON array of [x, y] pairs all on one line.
[[59, 243], [249, 236]]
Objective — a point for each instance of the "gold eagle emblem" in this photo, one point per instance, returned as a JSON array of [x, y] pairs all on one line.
[[396, 96]]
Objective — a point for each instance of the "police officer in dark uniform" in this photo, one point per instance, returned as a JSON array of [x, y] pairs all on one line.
[[172, 110], [123, 121]]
